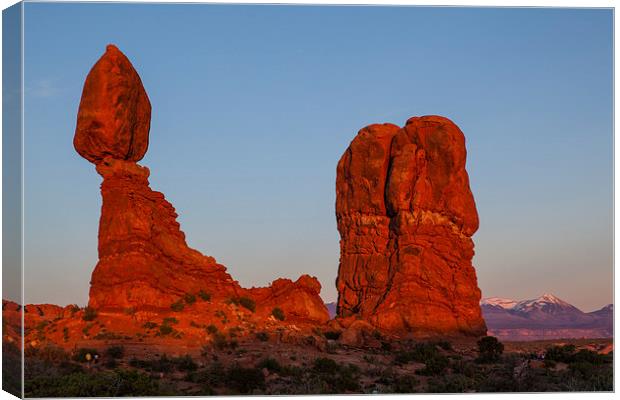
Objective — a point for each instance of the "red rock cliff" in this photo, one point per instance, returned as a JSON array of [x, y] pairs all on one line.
[[406, 215]]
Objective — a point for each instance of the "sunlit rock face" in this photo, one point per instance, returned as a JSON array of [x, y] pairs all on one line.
[[114, 117], [144, 260], [406, 215]]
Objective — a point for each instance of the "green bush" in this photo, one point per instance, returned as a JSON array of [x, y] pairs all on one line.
[[89, 314], [177, 306], [490, 349], [212, 329], [278, 314], [248, 303], [170, 320], [204, 295], [189, 298], [149, 325], [262, 336]]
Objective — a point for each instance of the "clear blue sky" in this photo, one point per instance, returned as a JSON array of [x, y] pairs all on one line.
[[254, 105]]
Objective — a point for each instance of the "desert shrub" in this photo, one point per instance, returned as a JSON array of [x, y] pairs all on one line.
[[325, 365], [185, 363], [189, 298], [434, 365], [563, 354], [103, 384], [204, 295], [165, 329], [149, 325], [333, 335], [73, 308], [499, 380], [490, 349], [247, 303], [262, 336], [421, 352], [212, 375], [269, 363], [41, 326], [89, 314], [177, 305], [405, 384], [444, 344], [278, 314], [451, 383], [103, 335], [466, 368], [590, 356], [585, 376], [338, 378], [244, 380], [170, 320], [115, 352], [219, 341], [212, 329], [165, 364]]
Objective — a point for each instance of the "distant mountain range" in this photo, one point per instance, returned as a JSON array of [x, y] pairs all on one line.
[[546, 317]]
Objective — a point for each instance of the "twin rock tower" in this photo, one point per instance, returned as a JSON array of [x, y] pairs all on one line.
[[404, 209]]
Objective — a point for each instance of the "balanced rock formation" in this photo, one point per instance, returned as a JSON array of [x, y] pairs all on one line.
[[144, 261], [406, 215]]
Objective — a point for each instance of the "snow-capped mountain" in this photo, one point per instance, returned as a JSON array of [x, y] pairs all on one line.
[[544, 316], [499, 302]]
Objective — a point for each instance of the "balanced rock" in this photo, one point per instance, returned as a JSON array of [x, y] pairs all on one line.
[[145, 263], [114, 117], [406, 215]]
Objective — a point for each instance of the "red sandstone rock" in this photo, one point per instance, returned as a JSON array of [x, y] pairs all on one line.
[[298, 300], [114, 117], [144, 262], [406, 215]]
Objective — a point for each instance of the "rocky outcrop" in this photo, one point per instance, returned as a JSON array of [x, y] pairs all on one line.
[[406, 215], [144, 260], [145, 263], [300, 299]]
